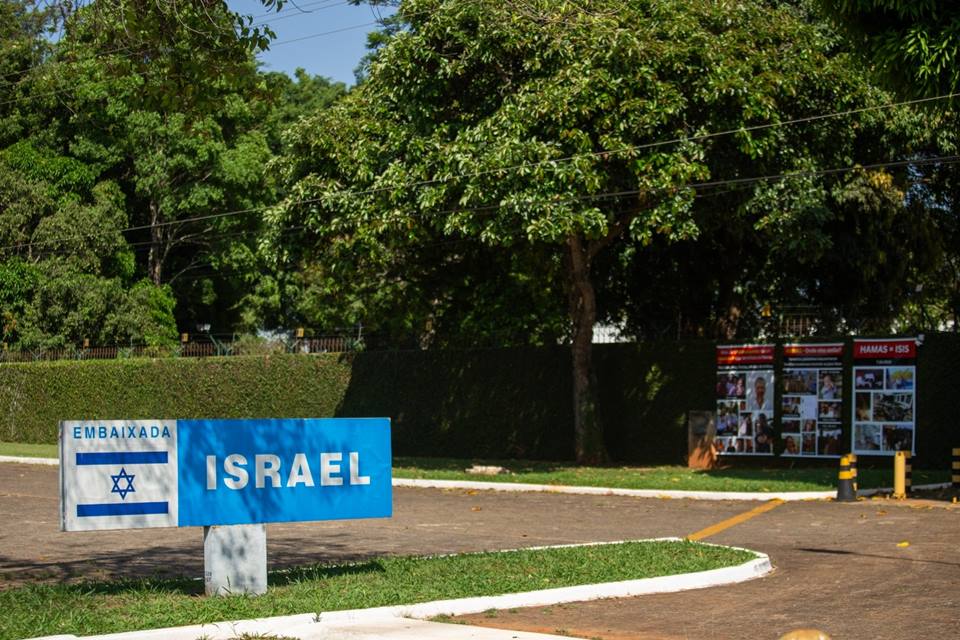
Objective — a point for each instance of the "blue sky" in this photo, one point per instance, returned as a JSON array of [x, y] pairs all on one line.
[[334, 35]]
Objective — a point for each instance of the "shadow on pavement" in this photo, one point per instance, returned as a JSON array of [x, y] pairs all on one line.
[[838, 552], [287, 561], [76, 579]]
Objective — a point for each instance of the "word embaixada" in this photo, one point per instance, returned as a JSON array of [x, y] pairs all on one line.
[[268, 467], [103, 432]]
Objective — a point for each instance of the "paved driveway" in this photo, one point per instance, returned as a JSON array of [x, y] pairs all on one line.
[[838, 566]]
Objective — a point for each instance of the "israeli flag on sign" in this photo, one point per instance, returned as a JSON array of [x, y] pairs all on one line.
[[118, 474]]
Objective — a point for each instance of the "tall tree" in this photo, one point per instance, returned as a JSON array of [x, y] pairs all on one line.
[[141, 114], [534, 129], [165, 99]]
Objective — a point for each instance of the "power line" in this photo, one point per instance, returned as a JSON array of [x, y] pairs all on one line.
[[650, 145], [340, 30], [553, 162], [130, 49], [285, 15], [149, 73], [732, 182], [298, 8], [736, 184]]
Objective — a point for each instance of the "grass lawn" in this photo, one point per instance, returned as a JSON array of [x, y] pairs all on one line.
[[565, 473], [666, 477], [28, 450], [93, 608]]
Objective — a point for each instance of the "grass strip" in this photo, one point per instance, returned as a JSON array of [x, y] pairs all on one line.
[[28, 450], [108, 607], [658, 478], [565, 473]]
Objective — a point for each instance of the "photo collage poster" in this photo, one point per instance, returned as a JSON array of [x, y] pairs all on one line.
[[884, 402], [745, 400], [812, 399]]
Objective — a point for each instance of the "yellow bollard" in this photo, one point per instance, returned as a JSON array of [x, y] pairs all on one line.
[[900, 475]]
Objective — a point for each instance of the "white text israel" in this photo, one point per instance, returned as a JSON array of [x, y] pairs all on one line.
[[269, 469]]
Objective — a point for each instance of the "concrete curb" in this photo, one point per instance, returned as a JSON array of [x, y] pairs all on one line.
[[786, 496], [23, 460], [665, 584], [395, 621]]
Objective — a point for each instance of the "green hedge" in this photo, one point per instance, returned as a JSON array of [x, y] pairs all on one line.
[[36, 396], [486, 403]]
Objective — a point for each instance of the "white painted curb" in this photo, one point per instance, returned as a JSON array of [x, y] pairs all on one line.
[[23, 460], [336, 624], [786, 496], [665, 584]]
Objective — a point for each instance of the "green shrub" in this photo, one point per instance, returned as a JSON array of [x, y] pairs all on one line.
[[36, 396]]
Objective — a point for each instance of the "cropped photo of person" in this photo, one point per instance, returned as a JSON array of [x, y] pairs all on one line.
[[790, 446], [764, 434], [759, 400], [746, 426], [828, 387]]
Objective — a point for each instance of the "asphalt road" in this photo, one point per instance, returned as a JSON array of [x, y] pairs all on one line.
[[838, 566]]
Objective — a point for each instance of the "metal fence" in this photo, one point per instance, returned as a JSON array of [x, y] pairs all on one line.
[[187, 349]]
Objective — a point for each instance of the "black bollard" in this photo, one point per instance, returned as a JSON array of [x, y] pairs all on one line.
[[845, 490]]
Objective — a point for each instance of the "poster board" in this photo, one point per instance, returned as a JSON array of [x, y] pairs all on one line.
[[884, 396], [812, 400], [745, 390]]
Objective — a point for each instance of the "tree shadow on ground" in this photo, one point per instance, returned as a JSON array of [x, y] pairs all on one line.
[[179, 569], [840, 552], [947, 494], [322, 572], [180, 585]]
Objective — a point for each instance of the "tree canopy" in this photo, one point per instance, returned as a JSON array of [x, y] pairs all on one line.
[[125, 141], [502, 174], [914, 44], [570, 138]]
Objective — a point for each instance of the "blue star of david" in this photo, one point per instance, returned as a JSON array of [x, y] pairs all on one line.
[[123, 491]]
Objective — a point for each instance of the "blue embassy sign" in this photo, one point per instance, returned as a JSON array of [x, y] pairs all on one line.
[[123, 474]]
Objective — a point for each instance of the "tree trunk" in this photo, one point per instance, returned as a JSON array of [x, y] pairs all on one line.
[[588, 432], [157, 250]]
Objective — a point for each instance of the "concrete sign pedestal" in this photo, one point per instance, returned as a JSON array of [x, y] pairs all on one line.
[[235, 559]]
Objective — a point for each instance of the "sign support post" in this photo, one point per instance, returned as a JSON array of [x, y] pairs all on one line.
[[235, 559]]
